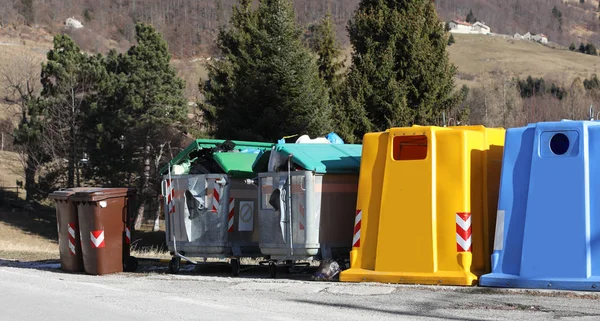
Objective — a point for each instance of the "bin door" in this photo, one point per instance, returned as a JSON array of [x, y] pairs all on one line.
[[281, 203]]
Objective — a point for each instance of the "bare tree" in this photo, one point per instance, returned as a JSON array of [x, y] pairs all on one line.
[[21, 87]]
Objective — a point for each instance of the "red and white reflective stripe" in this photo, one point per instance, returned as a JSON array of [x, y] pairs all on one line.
[[97, 239], [302, 216], [170, 196], [231, 214], [463, 232], [127, 235], [71, 229], [216, 197], [357, 223]]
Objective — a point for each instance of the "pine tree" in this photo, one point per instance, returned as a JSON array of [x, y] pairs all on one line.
[[572, 47], [451, 40], [471, 17], [329, 52], [330, 66], [140, 100], [400, 73], [269, 84], [68, 79]]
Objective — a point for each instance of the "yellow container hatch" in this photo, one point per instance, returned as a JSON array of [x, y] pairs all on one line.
[[426, 207]]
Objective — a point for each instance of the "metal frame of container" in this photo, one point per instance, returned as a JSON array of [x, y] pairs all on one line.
[[184, 236], [206, 221], [314, 224]]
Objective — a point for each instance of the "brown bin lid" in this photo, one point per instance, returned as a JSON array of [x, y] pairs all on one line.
[[99, 194], [63, 194]]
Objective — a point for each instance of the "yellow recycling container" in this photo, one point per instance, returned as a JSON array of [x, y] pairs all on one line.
[[426, 207]]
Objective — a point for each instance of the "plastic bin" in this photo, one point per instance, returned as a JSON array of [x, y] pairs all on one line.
[[548, 227], [315, 223], [69, 244], [426, 205], [213, 215], [105, 216]]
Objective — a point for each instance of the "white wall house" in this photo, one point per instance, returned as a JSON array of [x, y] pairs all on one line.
[[541, 38], [479, 27], [73, 23], [458, 26]]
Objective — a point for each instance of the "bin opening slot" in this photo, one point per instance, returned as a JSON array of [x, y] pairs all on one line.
[[410, 147]]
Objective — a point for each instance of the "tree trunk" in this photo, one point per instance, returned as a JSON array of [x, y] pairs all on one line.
[[156, 226], [144, 186], [30, 170]]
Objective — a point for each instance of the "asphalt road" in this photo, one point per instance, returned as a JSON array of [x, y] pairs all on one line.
[[36, 291]]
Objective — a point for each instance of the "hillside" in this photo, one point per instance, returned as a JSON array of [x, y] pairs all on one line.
[[190, 26], [477, 55]]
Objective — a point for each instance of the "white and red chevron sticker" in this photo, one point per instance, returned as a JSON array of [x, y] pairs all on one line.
[[71, 228], [463, 232], [216, 197], [302, 217], [127, 235], [231, 214], [357, 225], [97, 239], [170, 196]]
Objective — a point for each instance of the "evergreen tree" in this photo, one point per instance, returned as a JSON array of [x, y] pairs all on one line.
[[330, 66], [451, 40], [140, 100], [400, 73], [329, 52], [268, 86], [572, 47], [590, 49], [68, 78], [471, 17]]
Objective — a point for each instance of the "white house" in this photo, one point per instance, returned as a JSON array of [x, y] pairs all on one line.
[[541, 38], [458, 26], [73, 23], [481, 28]]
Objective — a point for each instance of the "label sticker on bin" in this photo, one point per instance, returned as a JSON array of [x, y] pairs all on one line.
[[246, 216], [97, 239]]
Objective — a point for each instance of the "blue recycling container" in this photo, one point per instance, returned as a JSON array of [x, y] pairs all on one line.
[[548, 223]]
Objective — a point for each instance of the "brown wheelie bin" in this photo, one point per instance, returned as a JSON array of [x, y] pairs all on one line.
[[105, 216], [69, 245]]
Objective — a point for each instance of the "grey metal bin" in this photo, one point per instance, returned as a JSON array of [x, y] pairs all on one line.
[[213, 215], [317, 221]]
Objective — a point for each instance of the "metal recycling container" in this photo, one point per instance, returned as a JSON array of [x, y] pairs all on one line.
[[317, 220], [105, 216], [213, 214], [69, 244]]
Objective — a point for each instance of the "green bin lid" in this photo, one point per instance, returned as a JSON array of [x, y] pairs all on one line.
[[237, 165], [200, 144], [324, 158]]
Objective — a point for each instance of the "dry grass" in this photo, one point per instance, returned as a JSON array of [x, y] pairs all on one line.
[[11, 170], [18, 244], [475, 55]]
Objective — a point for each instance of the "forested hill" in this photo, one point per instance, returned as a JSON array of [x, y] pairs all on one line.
[[190, 26]]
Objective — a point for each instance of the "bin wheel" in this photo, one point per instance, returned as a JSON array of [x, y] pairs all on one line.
[[175, 265], [235, 267], [131, 264], [273, 269]]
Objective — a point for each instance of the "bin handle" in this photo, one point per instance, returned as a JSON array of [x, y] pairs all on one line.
[[302, 187]]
